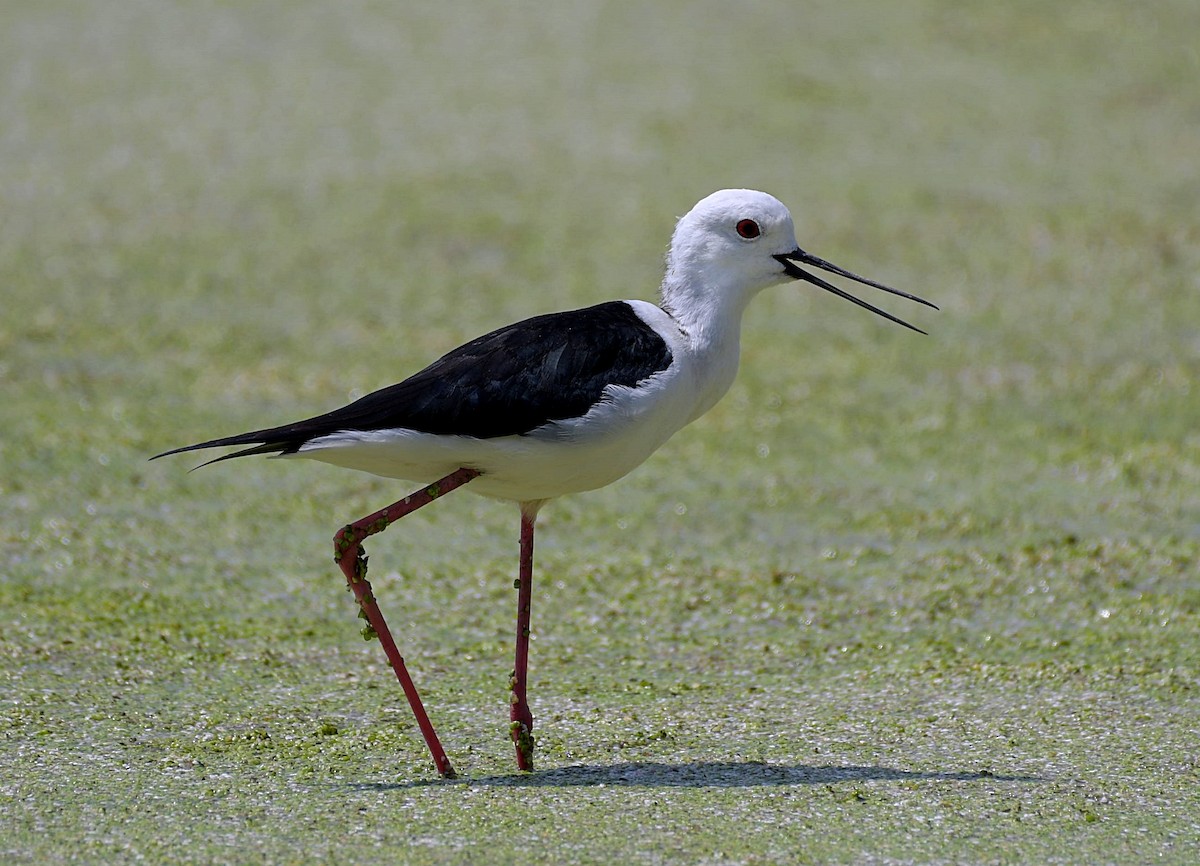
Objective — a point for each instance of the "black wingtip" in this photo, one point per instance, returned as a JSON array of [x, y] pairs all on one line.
[[263, 448], [174, 451], [266, 448]]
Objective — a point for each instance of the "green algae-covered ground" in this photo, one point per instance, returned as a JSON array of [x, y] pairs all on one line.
[[898, 599]]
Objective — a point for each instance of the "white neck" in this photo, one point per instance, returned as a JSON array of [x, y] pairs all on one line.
[[711, 277], [709, 318]]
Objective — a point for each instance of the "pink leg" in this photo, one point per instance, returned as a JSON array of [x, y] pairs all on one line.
[[348, 554], [522, 718]]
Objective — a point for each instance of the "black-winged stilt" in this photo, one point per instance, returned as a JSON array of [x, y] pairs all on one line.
[[557, 404]]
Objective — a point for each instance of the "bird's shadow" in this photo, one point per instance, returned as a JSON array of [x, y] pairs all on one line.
[[702, 774]]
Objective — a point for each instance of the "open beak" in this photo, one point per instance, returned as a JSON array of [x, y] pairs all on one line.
[[791, 266]]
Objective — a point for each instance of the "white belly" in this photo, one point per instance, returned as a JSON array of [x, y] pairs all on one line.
[[570, 456]]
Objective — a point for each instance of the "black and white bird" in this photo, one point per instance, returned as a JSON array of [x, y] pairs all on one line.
[[560, 403]]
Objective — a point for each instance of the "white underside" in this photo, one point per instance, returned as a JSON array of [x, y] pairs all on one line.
[[558, 458], [613, 438]]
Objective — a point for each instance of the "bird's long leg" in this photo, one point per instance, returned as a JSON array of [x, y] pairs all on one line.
[[348, 554], [522, 719]]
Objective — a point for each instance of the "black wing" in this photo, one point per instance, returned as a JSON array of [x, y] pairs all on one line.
[[506, 383]]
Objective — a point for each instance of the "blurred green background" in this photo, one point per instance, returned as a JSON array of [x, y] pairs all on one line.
[[897, 599]]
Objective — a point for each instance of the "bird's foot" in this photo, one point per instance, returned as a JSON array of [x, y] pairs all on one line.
[[522, 738]]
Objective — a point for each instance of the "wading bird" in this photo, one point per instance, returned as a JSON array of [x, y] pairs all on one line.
[[557, 404]]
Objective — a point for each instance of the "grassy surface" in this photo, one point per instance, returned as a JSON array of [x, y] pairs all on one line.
[[896, 600]]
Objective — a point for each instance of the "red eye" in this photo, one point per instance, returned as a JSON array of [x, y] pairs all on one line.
[[748, 229]]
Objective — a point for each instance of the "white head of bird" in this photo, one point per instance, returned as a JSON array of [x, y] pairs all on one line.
[[728, 248], [723, 254]]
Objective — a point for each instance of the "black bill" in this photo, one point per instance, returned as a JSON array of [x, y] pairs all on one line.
[[791, 266]]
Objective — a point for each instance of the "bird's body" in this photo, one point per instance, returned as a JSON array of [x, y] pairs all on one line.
[[559, 404], [565, 402]]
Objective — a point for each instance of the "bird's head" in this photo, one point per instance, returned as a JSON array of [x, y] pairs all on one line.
[[737, 242]]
